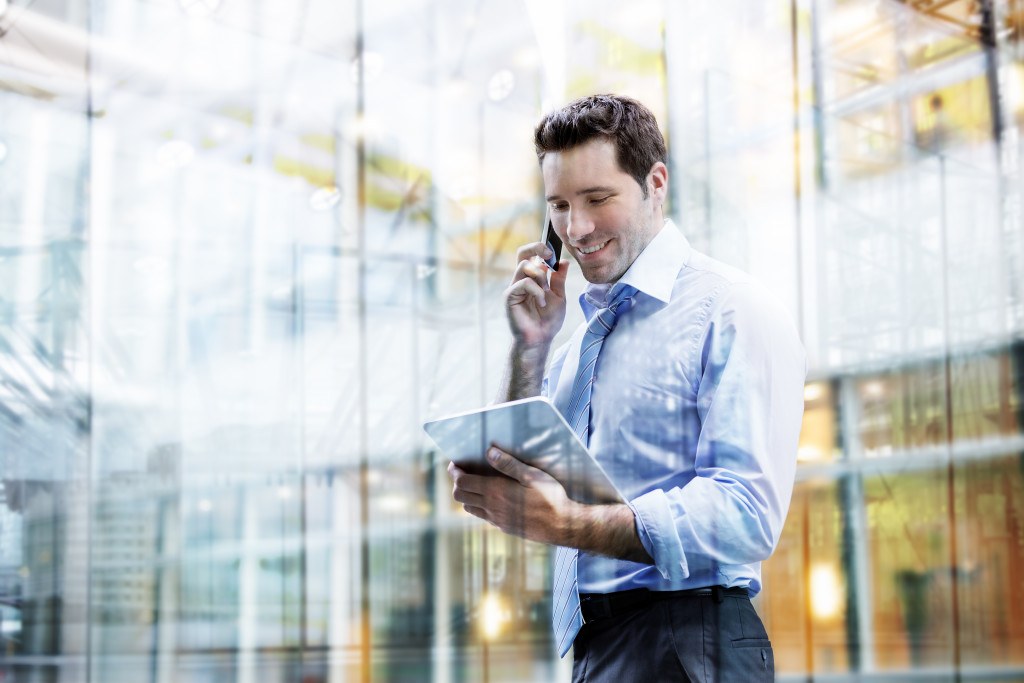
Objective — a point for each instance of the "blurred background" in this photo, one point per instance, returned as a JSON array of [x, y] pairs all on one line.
[[248, 247]]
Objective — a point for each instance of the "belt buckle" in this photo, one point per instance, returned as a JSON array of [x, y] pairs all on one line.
[[600, 604]]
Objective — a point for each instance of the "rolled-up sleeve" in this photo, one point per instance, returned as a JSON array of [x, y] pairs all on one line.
[[749, 399]]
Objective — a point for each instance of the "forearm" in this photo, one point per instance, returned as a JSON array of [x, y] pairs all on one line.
[[524, 372], [608, 530]]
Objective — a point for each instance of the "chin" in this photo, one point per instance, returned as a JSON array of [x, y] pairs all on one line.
[[601, 277]]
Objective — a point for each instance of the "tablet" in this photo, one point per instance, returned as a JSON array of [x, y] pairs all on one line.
[[534, 431]]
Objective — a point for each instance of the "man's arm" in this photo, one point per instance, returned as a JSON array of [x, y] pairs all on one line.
[[524, 372], [535, 310], [529, 503], [749, 398]]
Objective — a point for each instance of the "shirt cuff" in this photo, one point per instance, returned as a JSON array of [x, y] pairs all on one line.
[[657, 530]]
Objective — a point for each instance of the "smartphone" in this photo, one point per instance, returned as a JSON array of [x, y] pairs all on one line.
[[549, 237]]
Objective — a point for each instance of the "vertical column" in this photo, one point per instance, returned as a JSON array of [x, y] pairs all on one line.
[[248, 588], [856, 551]]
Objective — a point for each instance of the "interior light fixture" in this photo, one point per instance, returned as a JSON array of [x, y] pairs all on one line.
[[393, 503], [363, 127], [494, 614], [874, 389], [324, 198], [372, 64], [825, 590], [501, 85], [3, 147], [808, 453], [812, 392]]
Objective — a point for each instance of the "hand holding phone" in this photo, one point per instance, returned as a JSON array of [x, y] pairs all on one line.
[[535, 299]]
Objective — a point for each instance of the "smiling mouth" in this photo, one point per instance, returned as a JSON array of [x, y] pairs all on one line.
[[593, 249]]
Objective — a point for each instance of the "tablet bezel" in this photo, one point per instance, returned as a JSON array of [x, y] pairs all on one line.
[[535, 432]]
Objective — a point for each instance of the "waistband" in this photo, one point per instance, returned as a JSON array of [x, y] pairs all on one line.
[[594, 606]]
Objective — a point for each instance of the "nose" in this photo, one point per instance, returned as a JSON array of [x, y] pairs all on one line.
[[580, 224]]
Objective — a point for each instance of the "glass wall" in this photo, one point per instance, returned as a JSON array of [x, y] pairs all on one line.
[[248, 248]]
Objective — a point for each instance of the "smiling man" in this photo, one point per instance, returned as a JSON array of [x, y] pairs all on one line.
[[686, 383]]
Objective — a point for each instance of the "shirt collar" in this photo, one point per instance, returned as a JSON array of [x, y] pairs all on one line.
[[653, 272]]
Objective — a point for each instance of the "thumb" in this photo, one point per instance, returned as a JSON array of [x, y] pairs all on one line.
[[558, 277], [508, 464]]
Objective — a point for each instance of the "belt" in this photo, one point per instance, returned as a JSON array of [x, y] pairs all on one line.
[[596, 606]]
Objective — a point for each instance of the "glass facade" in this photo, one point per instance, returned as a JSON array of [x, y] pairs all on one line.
[[248, 248]]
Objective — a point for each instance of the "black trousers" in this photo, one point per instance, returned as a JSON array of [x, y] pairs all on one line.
[[713, 639]]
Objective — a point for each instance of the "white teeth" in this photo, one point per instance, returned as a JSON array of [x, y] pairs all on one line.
[[591, 250]]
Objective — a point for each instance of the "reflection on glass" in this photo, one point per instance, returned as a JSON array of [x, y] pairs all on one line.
[[247, 250]]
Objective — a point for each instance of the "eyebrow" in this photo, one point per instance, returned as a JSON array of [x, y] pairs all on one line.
[[587, 190]]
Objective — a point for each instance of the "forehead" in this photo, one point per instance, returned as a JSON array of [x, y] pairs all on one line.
[[593, 160]]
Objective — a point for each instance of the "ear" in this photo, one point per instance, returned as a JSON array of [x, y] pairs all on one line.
[[657, 182]]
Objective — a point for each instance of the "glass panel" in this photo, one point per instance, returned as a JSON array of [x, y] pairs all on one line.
[[247, 249]]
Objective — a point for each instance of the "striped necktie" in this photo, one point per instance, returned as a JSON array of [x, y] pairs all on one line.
[[565, 613]]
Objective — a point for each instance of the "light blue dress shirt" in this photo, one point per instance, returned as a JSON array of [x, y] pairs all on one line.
[[696, 412]]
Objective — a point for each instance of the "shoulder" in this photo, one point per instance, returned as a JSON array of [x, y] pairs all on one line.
[[711, 275], [726, 289], [737, 308]]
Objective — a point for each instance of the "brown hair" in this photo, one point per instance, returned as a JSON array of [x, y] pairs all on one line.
[[629, 124]]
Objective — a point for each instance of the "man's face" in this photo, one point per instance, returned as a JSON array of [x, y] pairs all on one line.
[[598, 210]]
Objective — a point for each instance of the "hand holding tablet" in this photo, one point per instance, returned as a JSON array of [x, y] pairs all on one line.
[[533, 431]]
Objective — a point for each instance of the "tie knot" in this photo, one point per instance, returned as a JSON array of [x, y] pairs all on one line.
[[604, 321]]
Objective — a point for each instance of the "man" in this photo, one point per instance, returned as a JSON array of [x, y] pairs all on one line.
[[692, 403]]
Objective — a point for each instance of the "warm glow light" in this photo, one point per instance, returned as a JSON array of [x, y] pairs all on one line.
[[494, 614], [392, 502], [805, 453], [364, 127], [812, 392], [324, 198], [825, 598], [874, 389]]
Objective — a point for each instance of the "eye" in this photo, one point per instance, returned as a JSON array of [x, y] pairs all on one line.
[[560, 206], [600, 200]]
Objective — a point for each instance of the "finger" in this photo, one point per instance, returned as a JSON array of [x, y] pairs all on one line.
[[466, 484], [558, 278], [476, 511], [528, 251], [469, 498], [534, 269], [525, 289], [509, 465]]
